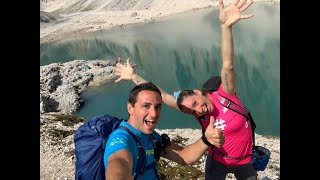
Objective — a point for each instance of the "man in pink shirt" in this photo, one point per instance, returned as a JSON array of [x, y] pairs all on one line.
[[235, 154]]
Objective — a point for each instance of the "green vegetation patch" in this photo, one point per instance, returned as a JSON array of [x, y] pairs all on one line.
[[168, 172], [68, 120]]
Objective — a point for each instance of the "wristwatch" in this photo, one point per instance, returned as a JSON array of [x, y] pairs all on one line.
[[204, 139]]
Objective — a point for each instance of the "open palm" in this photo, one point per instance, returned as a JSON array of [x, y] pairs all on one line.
[[231, 14], [125, 71]]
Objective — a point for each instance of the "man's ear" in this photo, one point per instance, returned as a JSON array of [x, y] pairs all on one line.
[[130, 108], [197, 91]]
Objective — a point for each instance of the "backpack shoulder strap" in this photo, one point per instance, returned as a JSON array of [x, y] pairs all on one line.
[[142, 154], [153, 165], [243, 111], [232, 105]]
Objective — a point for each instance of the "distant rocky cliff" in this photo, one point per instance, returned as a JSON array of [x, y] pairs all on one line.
[[62, 83]]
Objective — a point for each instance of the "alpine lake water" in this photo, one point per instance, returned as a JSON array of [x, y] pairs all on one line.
[[182, 52]]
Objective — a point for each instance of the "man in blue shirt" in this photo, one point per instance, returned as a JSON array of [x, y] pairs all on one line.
[[144, 107]]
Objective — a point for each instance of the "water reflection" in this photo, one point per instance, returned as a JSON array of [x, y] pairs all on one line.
[[181, 52]]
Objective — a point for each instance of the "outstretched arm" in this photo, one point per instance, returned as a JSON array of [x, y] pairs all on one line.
[[125, 71], [193, 152], [229, 16], [119, 166]]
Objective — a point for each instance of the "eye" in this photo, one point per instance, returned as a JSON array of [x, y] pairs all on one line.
[[146, 106], [194, 104], [158, 107]]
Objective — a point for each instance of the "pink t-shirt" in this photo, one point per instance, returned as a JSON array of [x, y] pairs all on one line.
[[236, 130]]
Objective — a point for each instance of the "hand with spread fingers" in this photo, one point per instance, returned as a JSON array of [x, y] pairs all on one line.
[[213, 134], [231, 14], [125, 71]]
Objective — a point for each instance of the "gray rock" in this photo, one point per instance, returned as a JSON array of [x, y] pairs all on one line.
[[61, 84], [47, 17]]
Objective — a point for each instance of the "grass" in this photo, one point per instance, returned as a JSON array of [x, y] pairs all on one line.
[[169, 172], [68, 120]]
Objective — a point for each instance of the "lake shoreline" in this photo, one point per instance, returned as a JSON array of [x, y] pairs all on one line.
[[54, 26]]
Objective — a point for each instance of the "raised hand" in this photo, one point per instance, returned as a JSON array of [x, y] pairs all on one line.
[[125, 71], [214, 135], [231, 14]]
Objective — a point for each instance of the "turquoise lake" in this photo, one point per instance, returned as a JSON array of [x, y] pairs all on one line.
[[182, 52]]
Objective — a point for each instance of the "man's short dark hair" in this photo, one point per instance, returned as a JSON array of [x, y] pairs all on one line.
[[149, 86]]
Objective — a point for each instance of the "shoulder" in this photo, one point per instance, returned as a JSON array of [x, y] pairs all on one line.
[[119, 136], [232, 97], [225, 94], [156, 135], [119, 139]]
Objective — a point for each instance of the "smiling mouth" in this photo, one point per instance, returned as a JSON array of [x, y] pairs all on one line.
[[205, 110], [150, 122]]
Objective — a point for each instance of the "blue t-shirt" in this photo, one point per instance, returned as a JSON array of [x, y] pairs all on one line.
[[121, 139]]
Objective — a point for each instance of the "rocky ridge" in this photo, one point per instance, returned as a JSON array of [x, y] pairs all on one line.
[[62, 83]]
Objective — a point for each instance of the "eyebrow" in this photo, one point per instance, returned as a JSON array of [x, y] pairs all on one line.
[[146, 103]]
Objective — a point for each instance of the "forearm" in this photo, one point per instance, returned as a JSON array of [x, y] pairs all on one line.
[[167, 98], [137, 79], [193, 152], [227, 52], [118, 169]]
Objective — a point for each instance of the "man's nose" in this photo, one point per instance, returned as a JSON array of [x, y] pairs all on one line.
[[153, 112]]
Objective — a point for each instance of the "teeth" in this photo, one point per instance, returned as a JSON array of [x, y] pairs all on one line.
[[150, 123], [205, 109], [150, 120]]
